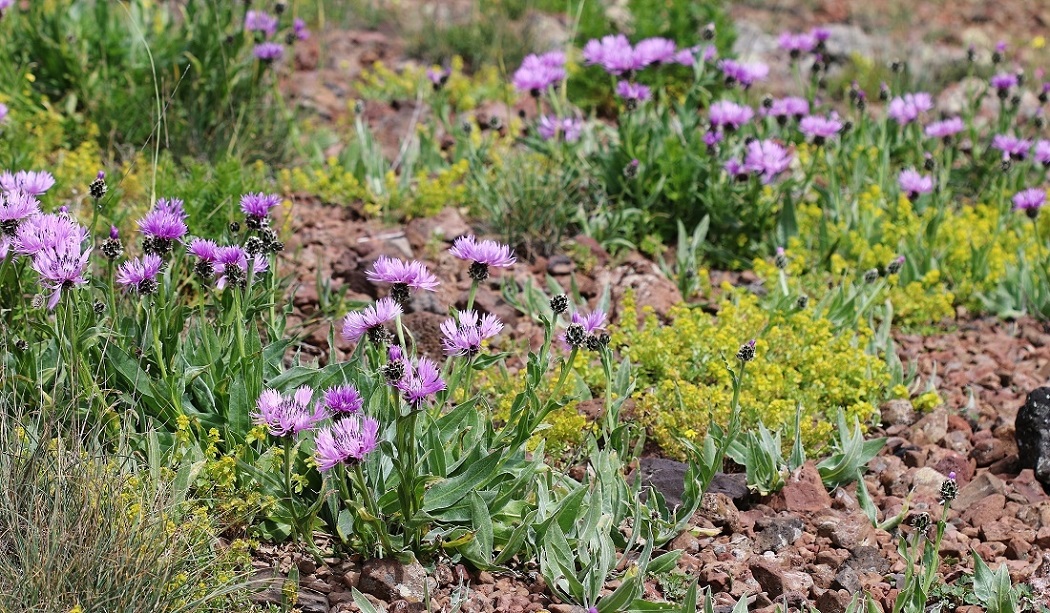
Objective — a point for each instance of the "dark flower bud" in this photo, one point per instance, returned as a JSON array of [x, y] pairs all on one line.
[[254, 245], [920, 521], [22, 345], [99, 307], [897, 66], [235, 227], [767, 102], [559, 304], [949, 489], [592, 343], [575, 336], [928, 163], [204, 269], [895, 266], [630, 171], [802, 302], [971, 54], [746, 352], [393, 370], [871, 275], [479, 271], [399, 292], [98, 188], [708, 32]]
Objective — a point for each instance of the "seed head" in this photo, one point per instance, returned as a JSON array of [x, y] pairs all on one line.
[[746, 352]]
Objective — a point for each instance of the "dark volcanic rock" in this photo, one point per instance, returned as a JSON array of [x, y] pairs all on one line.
[[1033, 433]]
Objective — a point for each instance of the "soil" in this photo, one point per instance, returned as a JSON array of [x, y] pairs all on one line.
[[800, 546]]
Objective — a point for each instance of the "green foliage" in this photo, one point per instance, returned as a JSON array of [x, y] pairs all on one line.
[[851, 454], [87, 529], [683, 384], [179, 76]]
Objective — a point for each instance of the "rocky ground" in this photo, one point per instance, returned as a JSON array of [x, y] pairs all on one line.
[[802, 545]]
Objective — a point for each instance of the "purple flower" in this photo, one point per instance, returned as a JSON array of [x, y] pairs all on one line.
[[14, 207], [538, 72], [420, 381], [819, 34], [785, 108], [767, 158], [945, 128], [745, 74], [370, 321], [914, 184], [175, 206], [268, 52], [344, 399], [797, 44], [34, 183], [258, 21], [819, 127], [347, 440], [437, 76], [256, 207], [233, 262], [1011, 146], [464, 337], [568, 128], [712, 138], [140, 275], [403, 275], [1029, 200], [287, 415], [632, 93], [161, 224], [299, 29], [592, 322], [482, 255], [613, 53], [906, 109], [1003, 81], [736, 169], [49, 232], [652, 51], [60, 271], [1042, 153], [685, 57], [729, 115], [3, 107]]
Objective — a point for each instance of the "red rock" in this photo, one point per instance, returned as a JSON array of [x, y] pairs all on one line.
[[987, 451], [1018, 548], [956, 423], [985, 511], [803, 493]]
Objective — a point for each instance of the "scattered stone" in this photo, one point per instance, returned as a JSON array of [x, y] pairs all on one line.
[[982, 486], [803, 493], [778, 533], [897, 412], [391, 580], [665, 476], [834, 601], [1033, 433], [931, 429]]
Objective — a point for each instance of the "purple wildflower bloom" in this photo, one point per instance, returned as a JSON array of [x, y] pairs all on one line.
[[162, 224], [1029, 200], [568, 128], [819, 127], [233, 262], [652, 51], [797, 44], [3, 109], [343, 400], [371, 320], [745, 74], [175, 206], [945, 128], [1042, 153], [204, 249], [140, 275], [729, 115], [1011, 146], [403, 275], [347, 440], [685, 57], [767, 158], [482, 255], [592, 322], [613, 53], [299, 29], [633, 93], [712, 138], [287, 415], [421, 380], [258, 21], [538, 72], [257, 207], [819, 34], [736, 169], [906, 109], [464, 337], [60, 270], [14, 207], [437, 76], [49, 232], [784, 108], [268, 52], [1003, 81], [914, 184], [33, 183]]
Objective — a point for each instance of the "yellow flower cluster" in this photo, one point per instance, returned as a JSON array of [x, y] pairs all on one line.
[[463, 91], [800, 362]]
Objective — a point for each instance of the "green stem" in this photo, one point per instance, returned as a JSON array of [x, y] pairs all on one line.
[[373, 508], [472, 294], [296, 528]]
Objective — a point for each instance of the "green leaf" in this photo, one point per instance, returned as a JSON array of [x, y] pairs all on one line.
[[448, 492]]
